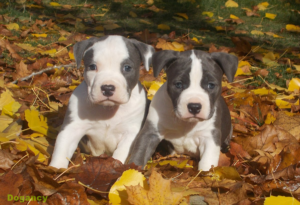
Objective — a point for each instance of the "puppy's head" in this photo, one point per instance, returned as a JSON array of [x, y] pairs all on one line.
[[194, 80], [111, 67]]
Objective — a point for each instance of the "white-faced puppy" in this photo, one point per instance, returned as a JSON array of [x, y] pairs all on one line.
[[188, 110], [109, 105]]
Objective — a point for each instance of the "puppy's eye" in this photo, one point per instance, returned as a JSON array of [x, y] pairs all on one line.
[[127, 68], [178, 85], [92, 67], [211, 85]]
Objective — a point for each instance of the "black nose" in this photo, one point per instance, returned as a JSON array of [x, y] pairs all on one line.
[[108, 90], [194, 108]]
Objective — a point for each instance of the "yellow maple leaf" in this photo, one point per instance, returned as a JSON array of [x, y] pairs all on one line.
[[294, 85], [164, 45], [71, 55], [4, 122], [153, 89], [270, 16], [6, 98], [50, 52], [263, 91], [256, 32], [54, 4], [131, 177], [282, 104], [293, 28], [13, 26], [243, 68], [208, 13], [263, 6], [183, 15], [270, 119], [233, 16], [231, 3], [159, 193], [23, 146], [10, 109], [36, 121], [281, 200], [178, 46], [42, 35], [163, 27]]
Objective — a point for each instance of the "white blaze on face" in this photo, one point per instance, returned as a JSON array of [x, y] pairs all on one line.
[[194, 93], [108, 56]]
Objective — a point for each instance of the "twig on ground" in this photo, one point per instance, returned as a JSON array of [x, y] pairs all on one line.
[[42, 71]]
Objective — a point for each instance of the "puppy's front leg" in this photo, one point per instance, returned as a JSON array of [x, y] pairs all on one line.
[[209, 153], [66, 143], [122, 151], [144, 145]]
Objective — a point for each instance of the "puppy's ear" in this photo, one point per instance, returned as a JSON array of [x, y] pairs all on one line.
[[227, 62], [80, 47], [146, 52], [163, 59]]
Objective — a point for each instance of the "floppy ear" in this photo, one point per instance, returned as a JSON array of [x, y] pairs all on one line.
[[80, 47], [163, 59], [227, 62], [146, 52]]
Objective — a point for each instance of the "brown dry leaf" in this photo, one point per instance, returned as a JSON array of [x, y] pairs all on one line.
[[266, 140], [289, 123], [159, 193], [242, 44], [6, 159], [69, 193], [100, 173], [21, 71], [164, 45], [9, 184]]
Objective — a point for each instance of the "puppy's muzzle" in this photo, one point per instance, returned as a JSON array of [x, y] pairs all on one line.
[[194, 108], [108, 90]]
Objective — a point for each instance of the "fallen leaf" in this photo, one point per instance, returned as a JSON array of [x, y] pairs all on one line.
[[54, 4], [208, 13], [281, 200], [36, 121], [233, 16], [111, 26], [118, 194], [43, 35], [183, 15], [270, 16], [294, 85], [163, 27], [263, 6], [293, 28], [13, 26], [231, 3], [159, 193]]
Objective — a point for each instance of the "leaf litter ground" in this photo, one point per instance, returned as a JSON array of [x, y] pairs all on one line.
[[38, 75]]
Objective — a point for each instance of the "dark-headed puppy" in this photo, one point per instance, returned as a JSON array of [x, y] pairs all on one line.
[[188, 110]]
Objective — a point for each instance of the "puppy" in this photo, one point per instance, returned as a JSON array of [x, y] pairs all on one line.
[[188, 110], [109, 105]]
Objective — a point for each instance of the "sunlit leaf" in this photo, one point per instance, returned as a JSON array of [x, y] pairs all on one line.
[[4, 122], [263, 6], [294, 85], [13, 26], [23, 146], [153, 89], [117, 193], [231, 3], [281, 200], [43, 35], [233, 16], [270, 16], [293, 28], [6, 98], [36, 121], [10, 109], [256, 32], [183, 15], [54, 4]]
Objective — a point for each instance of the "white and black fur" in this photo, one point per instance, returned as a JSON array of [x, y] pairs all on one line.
[[109, 105], [188, 110]]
